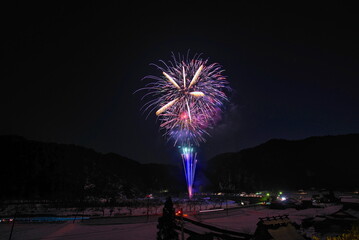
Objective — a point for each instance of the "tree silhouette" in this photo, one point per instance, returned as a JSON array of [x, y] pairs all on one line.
[[166, 224]]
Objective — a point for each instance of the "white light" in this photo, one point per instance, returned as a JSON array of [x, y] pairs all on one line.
[[212, 210]]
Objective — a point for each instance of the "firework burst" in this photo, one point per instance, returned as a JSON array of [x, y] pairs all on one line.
[[187, 99]]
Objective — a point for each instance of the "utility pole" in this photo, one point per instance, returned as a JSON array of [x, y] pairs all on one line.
[[148, 206], [182, 234], [227, 205], [77, 211], [13, 223]]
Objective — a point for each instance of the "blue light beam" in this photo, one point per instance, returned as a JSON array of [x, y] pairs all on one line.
[[189, 160]]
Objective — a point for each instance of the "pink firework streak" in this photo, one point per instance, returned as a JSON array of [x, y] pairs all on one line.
[[187, 98]]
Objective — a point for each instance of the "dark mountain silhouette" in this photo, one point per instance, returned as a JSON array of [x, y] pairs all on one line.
[[39, 170], [319, 162], [32, 169]]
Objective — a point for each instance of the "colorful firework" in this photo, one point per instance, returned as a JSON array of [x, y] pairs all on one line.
[[187, 98]]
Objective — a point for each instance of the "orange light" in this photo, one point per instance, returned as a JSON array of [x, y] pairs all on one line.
[[179, 213]]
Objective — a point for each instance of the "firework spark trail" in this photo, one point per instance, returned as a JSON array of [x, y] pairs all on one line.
[[187, 99], [189, 160]]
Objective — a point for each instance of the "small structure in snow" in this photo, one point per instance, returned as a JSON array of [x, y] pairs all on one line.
[[337, 222], [276, 228], [350, 202]]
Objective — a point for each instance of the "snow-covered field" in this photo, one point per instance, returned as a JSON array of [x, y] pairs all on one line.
[[241, 220], [42, 209], [245, 219], [77, 231]]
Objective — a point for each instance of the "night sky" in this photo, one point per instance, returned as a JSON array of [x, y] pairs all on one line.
[[69, 71]]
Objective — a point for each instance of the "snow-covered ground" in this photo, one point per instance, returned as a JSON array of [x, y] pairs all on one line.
[[245, 219], [241, 220], [77, 231], [42, 209]]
